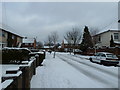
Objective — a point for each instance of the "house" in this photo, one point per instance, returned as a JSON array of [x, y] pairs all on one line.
[[68, 47], [103, 39], [29, 43], [9, 39]]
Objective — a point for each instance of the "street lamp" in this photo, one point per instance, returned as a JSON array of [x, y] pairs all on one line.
[[96, 48]]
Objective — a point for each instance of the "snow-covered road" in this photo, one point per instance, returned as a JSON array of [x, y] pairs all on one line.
[[68, 71]]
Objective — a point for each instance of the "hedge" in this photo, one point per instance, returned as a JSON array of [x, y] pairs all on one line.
[[14, 55]]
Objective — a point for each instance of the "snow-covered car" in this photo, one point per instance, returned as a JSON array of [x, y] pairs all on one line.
[[105, 58]]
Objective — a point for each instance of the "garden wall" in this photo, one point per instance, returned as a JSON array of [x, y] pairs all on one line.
[[13, 79]]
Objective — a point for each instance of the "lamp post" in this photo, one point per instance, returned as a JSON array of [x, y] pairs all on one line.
[[96, 48]]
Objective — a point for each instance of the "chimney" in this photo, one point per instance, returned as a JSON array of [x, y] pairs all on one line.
[[63, 44], [34, 43]]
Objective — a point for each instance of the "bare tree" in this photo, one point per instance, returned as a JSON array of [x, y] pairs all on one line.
[[68, 38], [54, 37], [49, 40], [73, 38], [76, 36], [39, 44], [93, 32]]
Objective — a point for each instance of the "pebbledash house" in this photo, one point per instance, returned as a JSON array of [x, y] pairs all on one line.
[[103, 39]]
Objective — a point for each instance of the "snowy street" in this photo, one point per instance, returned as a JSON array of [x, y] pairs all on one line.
[[68, 71]]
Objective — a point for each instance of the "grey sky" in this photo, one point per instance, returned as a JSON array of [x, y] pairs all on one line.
[[39, 19]]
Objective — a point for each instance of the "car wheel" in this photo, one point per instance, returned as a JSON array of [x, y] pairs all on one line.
[[115, 65], [91, 60], [101, 62]]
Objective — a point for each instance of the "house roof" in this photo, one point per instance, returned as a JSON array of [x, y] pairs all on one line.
[[106, 32], [112, 27], [9, 29], [28, 40], [46, 47]]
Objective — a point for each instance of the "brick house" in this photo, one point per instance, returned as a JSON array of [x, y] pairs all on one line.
[[9, 39], [68, 47], [29, 43]]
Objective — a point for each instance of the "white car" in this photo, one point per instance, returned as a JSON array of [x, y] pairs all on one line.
[[105, 58]]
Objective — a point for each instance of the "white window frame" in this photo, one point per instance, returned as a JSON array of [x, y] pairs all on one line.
[[116, 37]]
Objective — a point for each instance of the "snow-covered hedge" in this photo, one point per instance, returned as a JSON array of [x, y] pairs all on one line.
[[14, 55]]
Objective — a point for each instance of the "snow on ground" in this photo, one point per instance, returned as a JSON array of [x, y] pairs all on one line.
[[100, 73], [67, 71]]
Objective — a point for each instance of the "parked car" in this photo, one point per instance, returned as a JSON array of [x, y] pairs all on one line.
[[105, 58]]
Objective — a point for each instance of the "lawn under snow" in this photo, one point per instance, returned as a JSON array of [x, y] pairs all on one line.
[[68, 71]]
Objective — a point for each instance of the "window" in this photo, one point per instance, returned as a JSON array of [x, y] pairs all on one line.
[[26, 44], [116, 36], [103, 55], [111, 56], [97, 54], [99, 38], [3, 34], [13, 37]]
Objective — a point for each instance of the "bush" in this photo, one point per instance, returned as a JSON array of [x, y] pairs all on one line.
[[14, 55]]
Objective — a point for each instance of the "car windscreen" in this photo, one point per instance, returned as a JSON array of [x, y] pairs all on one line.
[[111, 56]]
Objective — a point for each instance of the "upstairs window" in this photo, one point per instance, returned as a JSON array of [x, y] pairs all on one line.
[[99, 38], [13, 37], [116, 35], [3, 34]]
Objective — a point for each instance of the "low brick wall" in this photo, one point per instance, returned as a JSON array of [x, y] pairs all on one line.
[[22, 82], [16, 84]]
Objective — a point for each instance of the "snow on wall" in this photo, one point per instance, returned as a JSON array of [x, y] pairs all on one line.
[[6, 83]]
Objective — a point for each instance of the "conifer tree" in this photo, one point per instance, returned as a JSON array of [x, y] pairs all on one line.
[[112, 42], [87, 40]]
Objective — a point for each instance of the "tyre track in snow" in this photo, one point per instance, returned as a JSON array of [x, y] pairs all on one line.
[[87, 73], [101, 70]]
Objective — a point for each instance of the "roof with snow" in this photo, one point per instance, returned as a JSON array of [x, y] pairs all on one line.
[[28, 40], [46, 47], [59, 46], [9, 29], [112, 27], [107, 31]]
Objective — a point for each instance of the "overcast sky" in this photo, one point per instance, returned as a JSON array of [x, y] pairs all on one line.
[[38, 19]]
